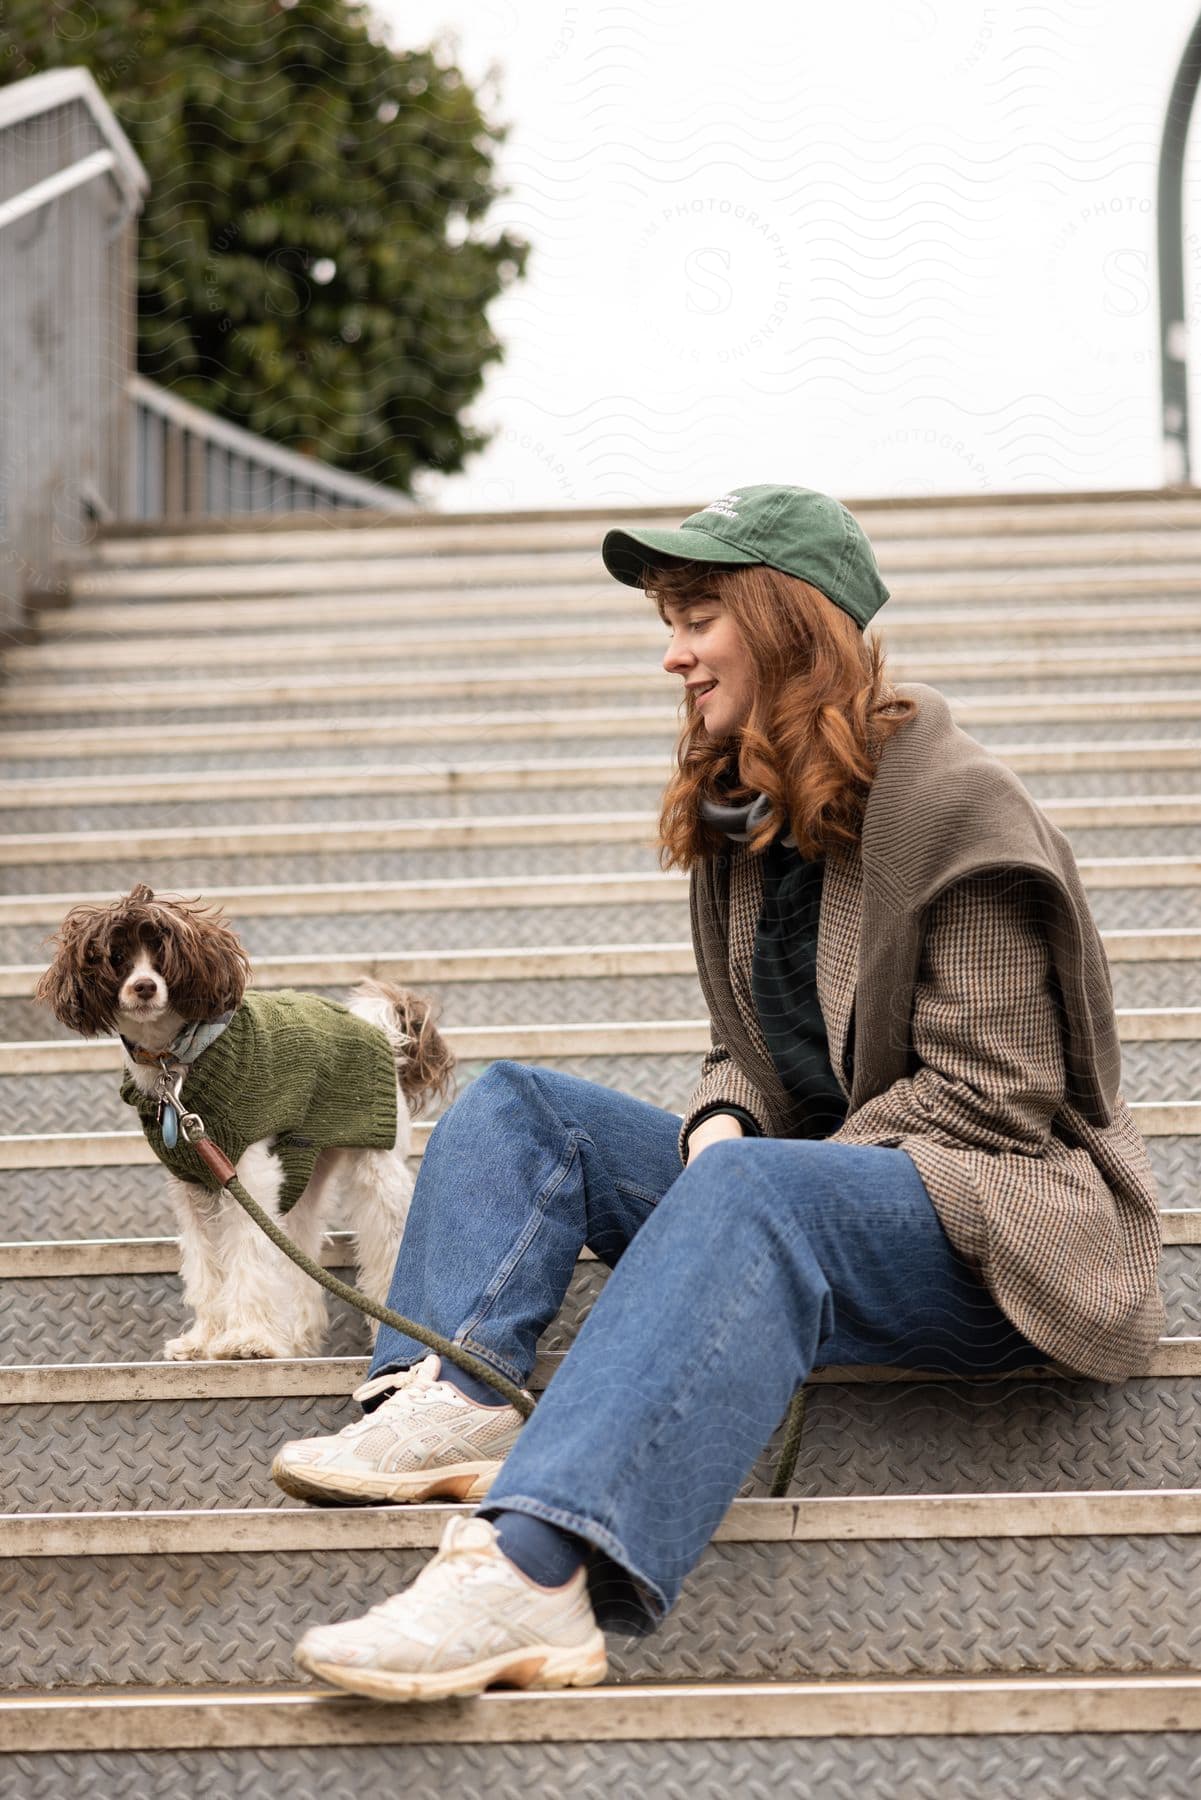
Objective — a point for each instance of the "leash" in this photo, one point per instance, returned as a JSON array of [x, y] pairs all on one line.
[[785, 1468], [192, 1129]]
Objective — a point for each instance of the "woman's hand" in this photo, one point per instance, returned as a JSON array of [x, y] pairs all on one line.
[[717, 1125]]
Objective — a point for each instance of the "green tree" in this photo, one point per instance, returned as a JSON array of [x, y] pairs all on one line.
[[312, 262]]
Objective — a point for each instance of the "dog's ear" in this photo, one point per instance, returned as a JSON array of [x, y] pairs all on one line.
[[79, 987], [200, 958]]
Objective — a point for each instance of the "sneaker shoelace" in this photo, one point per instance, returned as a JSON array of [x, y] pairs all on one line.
[[456, 1564]]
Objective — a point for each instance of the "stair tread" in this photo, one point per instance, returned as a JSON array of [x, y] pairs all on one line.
[[120, 1718], [1052, 1513]]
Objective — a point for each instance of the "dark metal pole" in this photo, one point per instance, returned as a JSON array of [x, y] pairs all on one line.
[[1173, 327]]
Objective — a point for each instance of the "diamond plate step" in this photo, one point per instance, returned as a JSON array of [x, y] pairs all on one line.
[[1110, 717], [32, 756], [561, 999], [557, 999], [140, 658], [1054, 573], [84, 1200], [534, 729], [1140, 826], [107, 1309], [1179, 1120], [208, 810], [81, 1102], [272, 796], [351, 919], [612, 681], [199, 874], [103, 1437], [95, 1612], [544, 966], [631, 823], [462, 926], [1160, 1045], [555, 983], [1126, 529], [128, 1317], [280, 624], [932, 520], [1006, 1764], [48, 1105]]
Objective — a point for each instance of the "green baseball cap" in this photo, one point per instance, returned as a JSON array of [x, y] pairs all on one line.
[[794, 529]]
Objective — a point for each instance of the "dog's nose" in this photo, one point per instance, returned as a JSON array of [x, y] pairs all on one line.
[[144, 988]]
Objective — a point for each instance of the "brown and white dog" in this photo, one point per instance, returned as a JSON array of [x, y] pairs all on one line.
[[148, 967]]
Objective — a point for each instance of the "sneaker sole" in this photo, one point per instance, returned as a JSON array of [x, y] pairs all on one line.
[[531, 1666], [457, 1481]]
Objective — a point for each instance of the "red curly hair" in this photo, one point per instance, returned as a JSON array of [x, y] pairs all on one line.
[[823, 709]]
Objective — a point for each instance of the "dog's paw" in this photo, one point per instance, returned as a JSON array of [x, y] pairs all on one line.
[[247, 1346], [191, 1347]]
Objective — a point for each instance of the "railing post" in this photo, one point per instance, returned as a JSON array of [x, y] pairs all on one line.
[[173, 471], [1173, 325]]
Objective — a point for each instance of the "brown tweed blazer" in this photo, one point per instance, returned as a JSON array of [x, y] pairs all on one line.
[[958, 933]]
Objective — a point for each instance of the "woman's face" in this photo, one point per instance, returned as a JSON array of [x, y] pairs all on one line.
[[706, 652]]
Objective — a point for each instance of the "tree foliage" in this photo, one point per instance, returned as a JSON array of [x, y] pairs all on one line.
[[312, 262]]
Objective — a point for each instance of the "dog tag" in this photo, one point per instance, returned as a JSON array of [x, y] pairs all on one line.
[[170, 1126]]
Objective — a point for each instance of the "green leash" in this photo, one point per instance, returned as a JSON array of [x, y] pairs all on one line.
[[786, 1461], [215, 1159]]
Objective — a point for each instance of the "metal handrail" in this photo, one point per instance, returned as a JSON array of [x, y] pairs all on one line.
[[201, 465], [101, 162], [84, 437], [1173, 325], [36, 94]]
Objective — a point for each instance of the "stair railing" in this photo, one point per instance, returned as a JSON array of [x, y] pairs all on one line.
[[191, 464], [83, 437], [71, 188]]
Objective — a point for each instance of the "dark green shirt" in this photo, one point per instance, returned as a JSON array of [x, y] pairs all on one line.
[[784, 987]]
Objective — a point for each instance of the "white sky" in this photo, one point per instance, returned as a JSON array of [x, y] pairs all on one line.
[[876, 247]]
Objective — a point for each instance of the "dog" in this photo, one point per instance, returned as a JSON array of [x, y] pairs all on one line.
[[172, 978]]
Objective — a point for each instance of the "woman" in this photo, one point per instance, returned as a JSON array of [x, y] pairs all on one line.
[[907, 1145]]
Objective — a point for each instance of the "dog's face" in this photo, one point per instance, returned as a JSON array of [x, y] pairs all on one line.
[[143, 967]]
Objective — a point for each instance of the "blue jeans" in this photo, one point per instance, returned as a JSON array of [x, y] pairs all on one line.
[[731, 1279]]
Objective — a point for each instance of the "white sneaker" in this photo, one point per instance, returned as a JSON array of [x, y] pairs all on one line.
[[427, 1438], [471, 1618]]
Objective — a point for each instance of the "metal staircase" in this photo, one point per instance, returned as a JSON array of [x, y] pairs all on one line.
[[433, 747]]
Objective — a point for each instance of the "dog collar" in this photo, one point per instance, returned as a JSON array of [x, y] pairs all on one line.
[[173, 1064], [185, 1046]]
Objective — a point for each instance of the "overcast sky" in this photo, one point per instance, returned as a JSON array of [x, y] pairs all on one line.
[[874, 247]]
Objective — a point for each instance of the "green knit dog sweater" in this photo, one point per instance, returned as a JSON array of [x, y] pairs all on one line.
[[304, 1071]]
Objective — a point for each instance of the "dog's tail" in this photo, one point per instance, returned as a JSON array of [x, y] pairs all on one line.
[[424, 1060]]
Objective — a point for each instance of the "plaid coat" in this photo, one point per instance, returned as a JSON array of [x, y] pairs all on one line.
[[958, 935]]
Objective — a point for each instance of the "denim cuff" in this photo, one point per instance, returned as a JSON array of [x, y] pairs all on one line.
[[622, 1599]]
